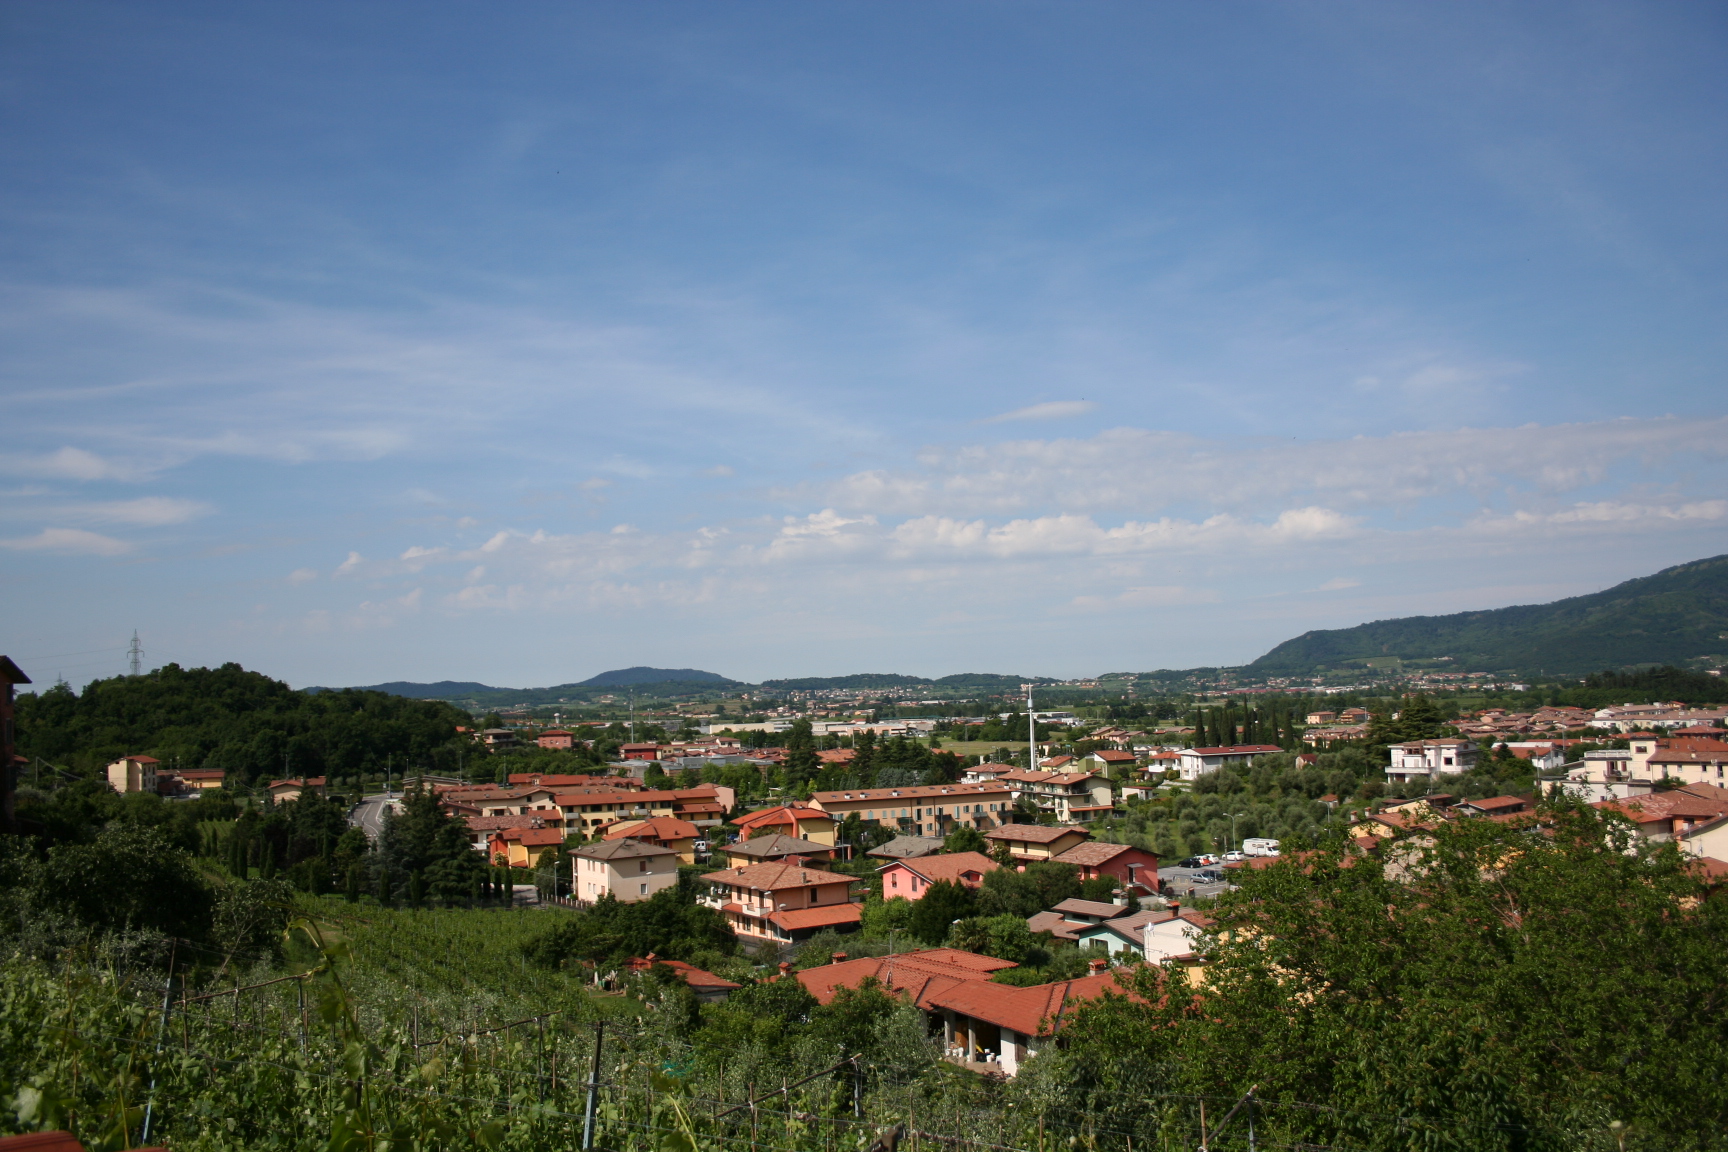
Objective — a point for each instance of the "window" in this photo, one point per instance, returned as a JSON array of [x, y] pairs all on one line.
[[644, 890]]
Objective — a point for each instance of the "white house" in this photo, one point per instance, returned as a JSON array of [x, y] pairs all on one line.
[[1415, 758], [1192, 763]]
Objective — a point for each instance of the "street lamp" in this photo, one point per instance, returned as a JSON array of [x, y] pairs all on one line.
[[1235, 816]]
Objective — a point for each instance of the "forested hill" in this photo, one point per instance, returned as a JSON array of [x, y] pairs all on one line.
[[244, 722], [1678, 616]]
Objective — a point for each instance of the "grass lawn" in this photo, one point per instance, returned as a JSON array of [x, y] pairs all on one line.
[[982, 747]]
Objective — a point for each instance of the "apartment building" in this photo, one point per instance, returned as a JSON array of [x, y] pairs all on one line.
[[932, 810]]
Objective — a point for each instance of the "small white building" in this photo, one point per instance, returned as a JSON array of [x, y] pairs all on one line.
[[1430, 758], [627, 870], [1193, 763]]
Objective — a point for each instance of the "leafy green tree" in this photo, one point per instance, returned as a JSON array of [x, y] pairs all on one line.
[[127, 878], [935, 912], [1004, 937], [1024, 894], [881, 917], [1545, 982], [965, 839]]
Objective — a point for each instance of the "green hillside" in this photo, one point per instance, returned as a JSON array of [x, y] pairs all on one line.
[[1678, 616]]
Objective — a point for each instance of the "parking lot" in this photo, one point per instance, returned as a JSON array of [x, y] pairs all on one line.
[[1186, 882]]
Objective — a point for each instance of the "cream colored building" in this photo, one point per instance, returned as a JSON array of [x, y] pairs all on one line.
[[627, 870], [133, 774]]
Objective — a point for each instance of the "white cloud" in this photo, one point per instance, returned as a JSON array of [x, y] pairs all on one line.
[[354, 561], [69, 541], [302, 575], [1050, 410], [1605, 514], [1135, 470], [145, 512], [720, 470], [1339, 584], [78, 464]]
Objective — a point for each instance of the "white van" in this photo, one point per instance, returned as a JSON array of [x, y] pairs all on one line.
[[1259, 846]]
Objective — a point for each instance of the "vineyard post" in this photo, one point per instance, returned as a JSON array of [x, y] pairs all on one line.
[[593, 1089], [300, 987], [161, 1034]]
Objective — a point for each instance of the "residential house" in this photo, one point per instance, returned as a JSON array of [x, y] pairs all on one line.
[[912, 877], [522, 847], [1132, 867], [1431, 758], [1176, 938], [807, 823], [627, 870], [985, 773], [906, 848], [202, 779], [1068, 797], [1104, 759], [1314, 719], [639, 751], [133, 774], [988, 1026], [922, 810], [1058, 764], [1193, 763], [557, 739], [1663, 817], [1071, 917], [481, 828], [286, 791], [1030, 843], [774, 846], [1123, 934], [782, 901], [1495, 806], [666, 831], [1695, 760], [708, 988], [496, 737]]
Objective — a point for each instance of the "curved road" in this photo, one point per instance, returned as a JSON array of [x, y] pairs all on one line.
[[368, 815]]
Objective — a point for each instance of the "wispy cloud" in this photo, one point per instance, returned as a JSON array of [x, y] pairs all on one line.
[[1050, 410], [1137, 469], [70, 542]]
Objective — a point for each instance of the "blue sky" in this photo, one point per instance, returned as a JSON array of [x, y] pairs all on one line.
[[513, 343]]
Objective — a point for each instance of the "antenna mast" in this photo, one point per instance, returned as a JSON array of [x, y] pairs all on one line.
[[135, 654]]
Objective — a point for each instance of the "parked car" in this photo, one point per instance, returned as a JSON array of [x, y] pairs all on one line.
[[1192, 862], [1208, 877], [1233, 857]]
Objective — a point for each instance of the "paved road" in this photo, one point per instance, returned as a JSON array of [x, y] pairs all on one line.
[[368, 815]]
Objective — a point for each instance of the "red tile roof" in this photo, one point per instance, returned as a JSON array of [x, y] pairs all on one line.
[[1035, 1011], [659, 828], [911, 972], [952, 867], [775, 875], [694, 977], [1237, 749], [826, 916], [1033, 833], [910, 792]]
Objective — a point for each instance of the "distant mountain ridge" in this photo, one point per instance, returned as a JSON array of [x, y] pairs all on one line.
[[1678, 616]]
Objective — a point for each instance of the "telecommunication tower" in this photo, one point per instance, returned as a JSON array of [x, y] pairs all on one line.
[[135, 654]]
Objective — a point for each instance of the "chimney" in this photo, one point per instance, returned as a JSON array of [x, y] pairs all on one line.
[[1097, 967], [838, 958], [785, 967], [1175, 907]]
